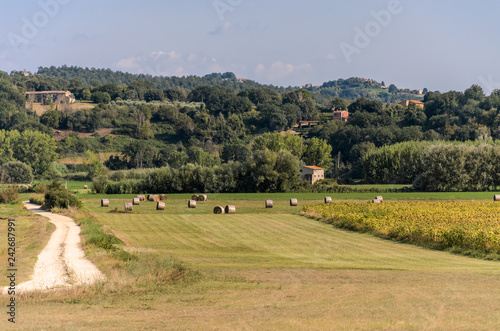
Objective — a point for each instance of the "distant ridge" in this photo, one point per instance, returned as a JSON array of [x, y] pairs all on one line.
[[351, 88]]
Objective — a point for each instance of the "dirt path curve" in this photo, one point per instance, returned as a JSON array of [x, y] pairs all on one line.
[[62, 262]]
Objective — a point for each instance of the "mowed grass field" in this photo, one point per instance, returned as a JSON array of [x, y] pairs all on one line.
[[269, 269]]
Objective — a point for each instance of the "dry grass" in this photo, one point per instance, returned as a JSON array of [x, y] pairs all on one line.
[[81, 159], [40, 108], [32, 234]]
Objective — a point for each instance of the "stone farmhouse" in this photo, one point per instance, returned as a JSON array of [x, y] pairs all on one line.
[[56, 96], [312, 174]]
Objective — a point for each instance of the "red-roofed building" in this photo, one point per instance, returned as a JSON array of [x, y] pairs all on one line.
[[312, 173], [341, 115]]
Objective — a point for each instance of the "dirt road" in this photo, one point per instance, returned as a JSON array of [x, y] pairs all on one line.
[[62, 262]]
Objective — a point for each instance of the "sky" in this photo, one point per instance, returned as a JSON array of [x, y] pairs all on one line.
[[441, 45]]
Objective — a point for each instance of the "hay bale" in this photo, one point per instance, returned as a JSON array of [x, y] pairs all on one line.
[[160, 205], [219, 210], [192, 204], [141, 197], [230, 209], [154, 198], [380, 198], [104, 203], [376, 201], [269, 203], [194, 197], [163, 197], [293, 202], [202, 197], [85, 187], [328, 200], [496, 197], [136, 201], [128, 206]]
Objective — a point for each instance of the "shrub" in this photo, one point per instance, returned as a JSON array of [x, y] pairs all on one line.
[[39, 187], [57, 196], [36, 200], [9, 195], [17, 172]]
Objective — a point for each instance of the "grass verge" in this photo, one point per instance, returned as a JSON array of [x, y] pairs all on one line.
[[126, 272]]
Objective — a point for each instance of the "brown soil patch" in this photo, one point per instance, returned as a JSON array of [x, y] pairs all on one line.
[[61, 134]]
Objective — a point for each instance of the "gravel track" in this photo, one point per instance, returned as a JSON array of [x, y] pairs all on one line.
[[62, 262]]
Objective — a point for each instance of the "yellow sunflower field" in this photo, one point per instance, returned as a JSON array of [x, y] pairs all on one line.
[[461, 226]]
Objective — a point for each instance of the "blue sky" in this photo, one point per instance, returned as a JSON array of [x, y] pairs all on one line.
[[442, 45]]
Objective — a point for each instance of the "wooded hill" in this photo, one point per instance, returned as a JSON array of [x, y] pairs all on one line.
[[217, 119]]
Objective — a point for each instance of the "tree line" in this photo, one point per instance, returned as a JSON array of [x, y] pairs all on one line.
[[436, 166]]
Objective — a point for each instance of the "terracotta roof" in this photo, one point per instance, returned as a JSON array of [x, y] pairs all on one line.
[[415, 101], [314, 167]]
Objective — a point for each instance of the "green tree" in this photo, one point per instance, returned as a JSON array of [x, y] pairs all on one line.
[[7, 142], [16, 172], [94, 166], [36, 149], [101, 97], [86, 95], [319, 153], [50, 118]]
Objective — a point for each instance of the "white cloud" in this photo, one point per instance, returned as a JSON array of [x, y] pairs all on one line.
[[192, 57], [174, 55], [221, 29], [131, 63], [172, 63], [279, 70], [157, 55]]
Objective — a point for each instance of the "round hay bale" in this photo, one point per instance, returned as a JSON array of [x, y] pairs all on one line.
[[85, 187], [293, 202], [269, 203], [136, 201], [128, 206], [376, 201], [328, 200], [219, 210], [202, 197], [141, 197], [160, 205], [150, 197], [194, 197], [163, 197], [496, 197], [230, 209], [104, 203], [192, 204], [156, 198], [380, 198]]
